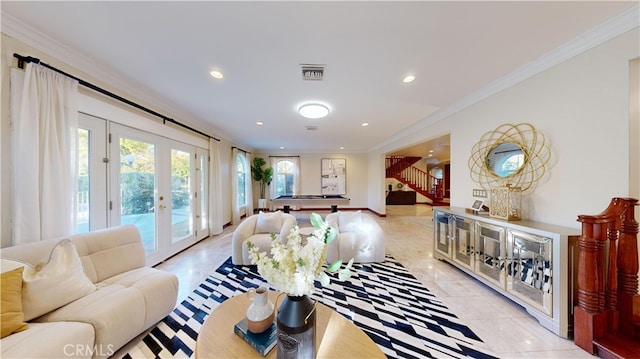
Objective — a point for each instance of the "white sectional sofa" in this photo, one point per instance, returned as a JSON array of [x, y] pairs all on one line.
[[86, 296]]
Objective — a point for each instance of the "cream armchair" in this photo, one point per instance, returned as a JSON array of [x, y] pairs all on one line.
[[359, 237], [257, 229]]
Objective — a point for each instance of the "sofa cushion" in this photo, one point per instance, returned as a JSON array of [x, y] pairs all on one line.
[[116, 313], [350, 221], [269, 222], [12, 317], [98, 249], [52, 340], [53, 284], [159, 288]]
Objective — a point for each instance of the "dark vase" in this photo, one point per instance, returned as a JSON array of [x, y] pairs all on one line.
[[296, 328]]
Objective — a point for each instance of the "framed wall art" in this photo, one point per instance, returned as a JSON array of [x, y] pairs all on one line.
[[334, 176]]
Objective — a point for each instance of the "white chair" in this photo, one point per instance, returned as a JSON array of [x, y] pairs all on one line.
[[359, 237], [257, 228]]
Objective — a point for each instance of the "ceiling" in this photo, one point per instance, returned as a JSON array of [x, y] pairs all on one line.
[[162, 53]]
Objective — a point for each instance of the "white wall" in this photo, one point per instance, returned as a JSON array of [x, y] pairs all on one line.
[[581, 105]]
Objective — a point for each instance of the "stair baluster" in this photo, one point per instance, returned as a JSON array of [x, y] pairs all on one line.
[[604, 316]]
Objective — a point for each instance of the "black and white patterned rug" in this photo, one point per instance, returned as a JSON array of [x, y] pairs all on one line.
[[383, 299]]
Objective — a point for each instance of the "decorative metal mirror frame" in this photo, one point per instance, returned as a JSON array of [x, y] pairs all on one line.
[[533, 145]]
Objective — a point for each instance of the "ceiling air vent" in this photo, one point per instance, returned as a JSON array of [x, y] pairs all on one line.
[[311, 128], [312, 72]]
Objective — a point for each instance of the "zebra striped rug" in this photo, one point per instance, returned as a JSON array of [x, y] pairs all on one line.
[[383, 299]]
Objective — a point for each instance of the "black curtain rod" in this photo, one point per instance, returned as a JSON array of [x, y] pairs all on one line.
[[240, 149], [283, 156], [26, 59]]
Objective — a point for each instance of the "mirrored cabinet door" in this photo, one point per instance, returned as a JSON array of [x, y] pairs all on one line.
[[463, 245], [441, 233], [529, 269], [491, 253]]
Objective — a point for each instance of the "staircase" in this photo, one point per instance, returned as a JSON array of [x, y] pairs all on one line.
[[607, 317], [401, 168]]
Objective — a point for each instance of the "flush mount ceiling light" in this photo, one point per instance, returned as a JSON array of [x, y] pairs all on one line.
[[216, 74], [313, 110]]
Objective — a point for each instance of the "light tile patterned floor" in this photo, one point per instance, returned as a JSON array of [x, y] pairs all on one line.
[[506, 327]]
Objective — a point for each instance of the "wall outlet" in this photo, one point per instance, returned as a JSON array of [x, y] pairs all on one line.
[[479, 193]]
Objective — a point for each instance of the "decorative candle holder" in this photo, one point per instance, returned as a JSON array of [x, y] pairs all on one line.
[[506, 203]]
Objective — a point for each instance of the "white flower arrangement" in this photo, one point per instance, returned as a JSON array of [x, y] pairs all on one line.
[[293, 266]]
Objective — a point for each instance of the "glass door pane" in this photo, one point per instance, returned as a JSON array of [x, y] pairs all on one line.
[[181, 207], [91, 206], [138, 188], [82, 207]]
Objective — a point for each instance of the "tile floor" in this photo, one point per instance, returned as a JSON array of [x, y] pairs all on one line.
[[506, 327]]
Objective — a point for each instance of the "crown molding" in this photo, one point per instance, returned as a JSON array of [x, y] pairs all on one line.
[[610, 29], [97, 70]]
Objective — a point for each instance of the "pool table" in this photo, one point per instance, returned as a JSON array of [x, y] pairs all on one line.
[[309, 200]]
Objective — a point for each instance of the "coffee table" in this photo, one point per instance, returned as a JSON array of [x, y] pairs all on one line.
[[336, 337]]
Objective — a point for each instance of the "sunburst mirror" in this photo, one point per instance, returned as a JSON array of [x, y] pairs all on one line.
[[511, 155]]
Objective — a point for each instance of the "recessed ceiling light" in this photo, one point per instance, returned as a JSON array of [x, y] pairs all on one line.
[[216, 74], [282, 147], [313, 110], [259, 123], [430, 151], [342, 147], [408, 78], [365, 124]]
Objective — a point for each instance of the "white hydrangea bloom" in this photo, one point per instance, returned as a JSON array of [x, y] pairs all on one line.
[[293, 267]]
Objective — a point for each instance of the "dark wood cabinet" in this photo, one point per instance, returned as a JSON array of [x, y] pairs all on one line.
[[401, 197]]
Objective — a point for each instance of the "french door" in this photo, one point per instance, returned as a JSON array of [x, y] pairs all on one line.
[[136, 177], [153, 181]]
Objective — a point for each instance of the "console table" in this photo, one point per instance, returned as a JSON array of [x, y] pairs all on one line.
[[529, 262]]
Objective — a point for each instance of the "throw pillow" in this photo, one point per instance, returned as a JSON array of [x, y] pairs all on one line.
[[269, 222], [350, 221], [11, 315], [58, 282]]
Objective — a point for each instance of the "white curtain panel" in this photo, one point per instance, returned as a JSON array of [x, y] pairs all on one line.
[[44, 173], [215, 189], [248, 185], [235, 209]]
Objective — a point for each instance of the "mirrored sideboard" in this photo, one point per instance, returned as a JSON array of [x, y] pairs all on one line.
[[529, 262]]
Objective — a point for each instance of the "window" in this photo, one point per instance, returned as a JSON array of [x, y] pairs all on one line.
[[510, 165], [242, 197], [284, 178]]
